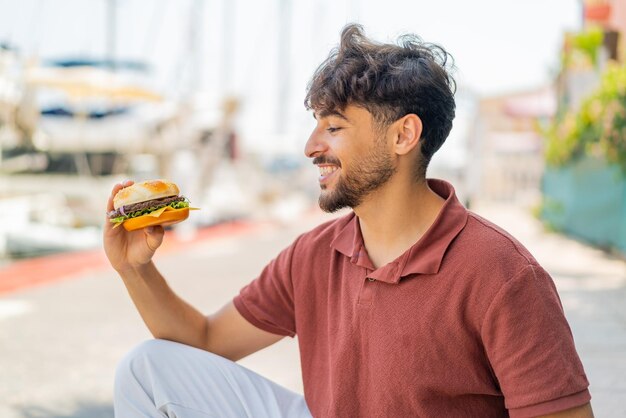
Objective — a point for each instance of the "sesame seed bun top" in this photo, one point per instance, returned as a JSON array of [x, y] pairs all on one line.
[[146, 190]]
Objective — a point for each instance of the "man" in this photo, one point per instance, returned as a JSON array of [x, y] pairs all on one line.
[[408, 306]]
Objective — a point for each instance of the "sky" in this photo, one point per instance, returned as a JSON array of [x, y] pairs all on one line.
[[211, 48]]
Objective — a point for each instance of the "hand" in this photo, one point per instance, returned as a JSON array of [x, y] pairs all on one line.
[[129, 250]]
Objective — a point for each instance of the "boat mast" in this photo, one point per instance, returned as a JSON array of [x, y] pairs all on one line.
[[111, 33], [284, 64]]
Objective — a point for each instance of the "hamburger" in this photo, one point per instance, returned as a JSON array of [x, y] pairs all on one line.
[[153, 202]]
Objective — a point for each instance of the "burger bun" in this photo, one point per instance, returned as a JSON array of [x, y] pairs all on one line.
[[146, 190]]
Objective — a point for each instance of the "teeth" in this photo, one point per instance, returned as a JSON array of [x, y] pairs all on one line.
[[326, 170]]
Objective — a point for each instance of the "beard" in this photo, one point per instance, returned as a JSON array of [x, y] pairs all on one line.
[[368, 174]]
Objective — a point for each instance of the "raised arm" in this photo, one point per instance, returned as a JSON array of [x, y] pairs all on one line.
[[166, 315]]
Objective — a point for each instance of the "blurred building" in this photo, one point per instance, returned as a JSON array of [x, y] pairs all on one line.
[[586, 52], [510, 125], [511, 146], [610, 14]]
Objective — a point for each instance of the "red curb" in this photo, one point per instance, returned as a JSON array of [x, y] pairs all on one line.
[[41, 270], [54, 268]]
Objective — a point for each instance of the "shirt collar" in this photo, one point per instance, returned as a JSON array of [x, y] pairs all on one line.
[[425, 256]]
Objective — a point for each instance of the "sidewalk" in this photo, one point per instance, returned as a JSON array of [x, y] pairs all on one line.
[[60, 341]]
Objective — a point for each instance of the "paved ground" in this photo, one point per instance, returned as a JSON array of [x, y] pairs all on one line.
[[59, 342]]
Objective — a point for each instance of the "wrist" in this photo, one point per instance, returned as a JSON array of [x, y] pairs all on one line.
[[135, 271]]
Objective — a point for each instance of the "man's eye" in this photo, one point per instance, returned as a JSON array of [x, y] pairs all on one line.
[[332, 129]]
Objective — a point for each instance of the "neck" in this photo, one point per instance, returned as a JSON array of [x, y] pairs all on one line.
[[395, 217]]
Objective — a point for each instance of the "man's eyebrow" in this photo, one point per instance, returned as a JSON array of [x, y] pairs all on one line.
[[327, 113]]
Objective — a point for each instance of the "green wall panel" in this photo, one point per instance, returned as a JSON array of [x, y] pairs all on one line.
[[587, 199]]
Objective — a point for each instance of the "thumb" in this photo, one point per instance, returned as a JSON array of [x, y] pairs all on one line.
[[154, 236]]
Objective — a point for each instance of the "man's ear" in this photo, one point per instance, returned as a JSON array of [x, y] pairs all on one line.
[[408, 133]]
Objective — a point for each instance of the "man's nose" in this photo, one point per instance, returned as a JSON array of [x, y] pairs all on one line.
[[315, 145]]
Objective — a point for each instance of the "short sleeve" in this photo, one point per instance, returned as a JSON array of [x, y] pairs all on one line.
[[531, 348], [267, 302]]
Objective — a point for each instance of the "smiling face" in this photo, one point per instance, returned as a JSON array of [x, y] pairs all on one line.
[[353, 157]]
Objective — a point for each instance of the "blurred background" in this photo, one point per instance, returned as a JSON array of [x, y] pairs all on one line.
[[209, 94]]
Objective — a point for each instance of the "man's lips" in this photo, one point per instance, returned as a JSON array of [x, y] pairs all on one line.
[[326, 171], [327, 166]]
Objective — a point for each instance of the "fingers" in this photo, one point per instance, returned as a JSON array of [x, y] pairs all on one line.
[[117, 188], [154, 236]]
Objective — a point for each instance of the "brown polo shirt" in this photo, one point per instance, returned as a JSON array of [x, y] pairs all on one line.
[[464, 323]]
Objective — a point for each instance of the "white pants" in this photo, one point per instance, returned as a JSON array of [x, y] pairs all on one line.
[[165, 379]]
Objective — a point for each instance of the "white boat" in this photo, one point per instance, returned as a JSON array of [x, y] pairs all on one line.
[[37, 224]]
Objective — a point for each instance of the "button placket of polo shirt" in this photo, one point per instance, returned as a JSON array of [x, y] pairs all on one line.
[[366, 295]]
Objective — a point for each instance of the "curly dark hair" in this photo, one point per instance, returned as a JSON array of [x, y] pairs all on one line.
[[390, 81]]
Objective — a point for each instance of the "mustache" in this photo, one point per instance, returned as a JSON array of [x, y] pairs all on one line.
[[323, 159]]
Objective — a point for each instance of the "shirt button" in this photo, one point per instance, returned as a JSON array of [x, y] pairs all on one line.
[[371, 279]]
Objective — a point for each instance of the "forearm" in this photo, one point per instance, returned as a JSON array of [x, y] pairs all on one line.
[[166, 315]]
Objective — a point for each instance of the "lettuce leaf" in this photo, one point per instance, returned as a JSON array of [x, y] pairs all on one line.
[[173, 205]]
